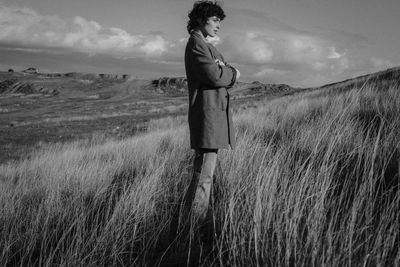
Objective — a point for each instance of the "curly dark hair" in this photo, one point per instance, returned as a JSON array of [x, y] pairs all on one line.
[[201, 11]]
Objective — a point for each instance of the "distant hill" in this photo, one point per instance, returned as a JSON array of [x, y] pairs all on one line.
[[177, 86], [255, 89], [117, 86], [14, 86], [120, 86], [170, 85], [30, 83]]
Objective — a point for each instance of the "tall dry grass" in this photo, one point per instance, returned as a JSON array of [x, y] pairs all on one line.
[[314, 180]]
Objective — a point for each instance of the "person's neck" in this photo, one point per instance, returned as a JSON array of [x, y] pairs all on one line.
[[199, 32]]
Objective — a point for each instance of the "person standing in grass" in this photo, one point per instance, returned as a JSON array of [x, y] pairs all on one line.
[[209, 77]]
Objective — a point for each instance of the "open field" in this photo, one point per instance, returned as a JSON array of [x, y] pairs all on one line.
[[314, 181], [44, 108]]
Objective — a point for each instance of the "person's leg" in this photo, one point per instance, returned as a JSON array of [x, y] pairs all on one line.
[[191, 191], [205, 181], [197, 196]]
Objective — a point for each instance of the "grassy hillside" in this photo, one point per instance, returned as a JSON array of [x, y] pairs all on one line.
[[314, 180]]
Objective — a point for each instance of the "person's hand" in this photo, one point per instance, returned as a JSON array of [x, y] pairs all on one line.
[[219, 62], [237, 74]]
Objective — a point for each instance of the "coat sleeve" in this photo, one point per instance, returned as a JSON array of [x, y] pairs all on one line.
[[208, 71]]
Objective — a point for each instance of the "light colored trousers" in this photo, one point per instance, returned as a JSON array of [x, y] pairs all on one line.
[[198, 194]]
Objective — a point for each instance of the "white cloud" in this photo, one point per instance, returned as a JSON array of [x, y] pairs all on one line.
[[24, 26], [291, 57], [29, 50], [248, 48], [333, 54], [277, 47], [156, 45], [278, 54]]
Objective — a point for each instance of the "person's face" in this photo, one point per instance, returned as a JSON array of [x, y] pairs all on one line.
[[211, 26]]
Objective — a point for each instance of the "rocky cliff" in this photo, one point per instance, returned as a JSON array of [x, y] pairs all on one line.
[[14, 86]]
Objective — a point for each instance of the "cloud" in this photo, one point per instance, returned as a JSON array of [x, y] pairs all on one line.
[[247, 48], [30, 50], [281, 53], [273, 47], [263, 48], [25, 27], [333, 54], [299, 59], [270, 50]]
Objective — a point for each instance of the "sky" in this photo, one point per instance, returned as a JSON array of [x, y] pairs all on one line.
[[302, 43]]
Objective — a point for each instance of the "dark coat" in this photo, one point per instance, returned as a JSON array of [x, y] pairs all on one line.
[[210, 119]]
